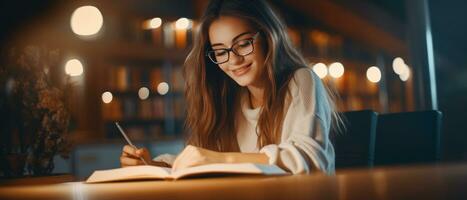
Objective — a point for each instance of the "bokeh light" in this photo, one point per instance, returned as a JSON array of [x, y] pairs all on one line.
[[320, 69], [373, 74], [86, 21], [182, 23], [152, 23], [107, 97], [398, 65], [74, 67], [163, 88], [336, 70], [143, 93], [405, 75]]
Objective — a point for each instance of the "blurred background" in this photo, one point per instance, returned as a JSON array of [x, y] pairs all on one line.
[[124, 61]]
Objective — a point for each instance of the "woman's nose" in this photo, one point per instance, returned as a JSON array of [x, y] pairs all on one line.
[[235, 59]]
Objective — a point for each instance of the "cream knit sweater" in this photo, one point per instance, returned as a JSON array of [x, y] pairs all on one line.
[[305, 145]]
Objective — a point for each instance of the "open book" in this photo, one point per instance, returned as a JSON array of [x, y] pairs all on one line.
[[153, 172]]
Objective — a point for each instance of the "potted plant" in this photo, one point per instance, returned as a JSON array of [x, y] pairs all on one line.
[[36, 116]]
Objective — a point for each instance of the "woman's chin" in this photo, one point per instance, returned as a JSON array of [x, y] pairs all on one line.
[[243, 81]]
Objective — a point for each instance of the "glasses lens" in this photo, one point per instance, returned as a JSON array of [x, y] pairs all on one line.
[[243, 47], [219, 56]]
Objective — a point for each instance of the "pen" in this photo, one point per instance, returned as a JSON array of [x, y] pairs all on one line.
[[128, 141]]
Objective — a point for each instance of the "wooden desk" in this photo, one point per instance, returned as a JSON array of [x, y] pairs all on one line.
[[413, 182]]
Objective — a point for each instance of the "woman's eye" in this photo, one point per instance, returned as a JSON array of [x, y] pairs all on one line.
[[222, 53], [243, 44]]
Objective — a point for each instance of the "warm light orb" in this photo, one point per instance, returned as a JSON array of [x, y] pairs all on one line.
[[74, 67], [86, 21], [155, 22], [182, 23], [107, 97], [143, 93], [405, 75], [398, 65], [320, 69], [163, 88], [152, 23], [336, 70], [373, 74]]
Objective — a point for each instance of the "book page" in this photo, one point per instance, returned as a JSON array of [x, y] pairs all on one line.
[[130, 173], [240, 168]]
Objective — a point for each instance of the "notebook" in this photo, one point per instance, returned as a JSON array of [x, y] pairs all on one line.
[[153, 172]]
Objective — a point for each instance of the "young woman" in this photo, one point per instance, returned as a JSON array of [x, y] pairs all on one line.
[[250, 96]]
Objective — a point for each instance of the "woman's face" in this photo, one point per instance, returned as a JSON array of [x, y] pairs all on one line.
[[245, 70]]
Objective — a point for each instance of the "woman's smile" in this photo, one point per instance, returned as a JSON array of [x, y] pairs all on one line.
[[242, 70]]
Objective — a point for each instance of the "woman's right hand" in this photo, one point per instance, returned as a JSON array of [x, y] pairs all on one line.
[[131, 157]]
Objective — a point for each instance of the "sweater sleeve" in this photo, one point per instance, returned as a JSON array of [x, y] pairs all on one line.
[[305, 143]]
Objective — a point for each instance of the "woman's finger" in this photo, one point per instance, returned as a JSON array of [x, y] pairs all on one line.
[[126, 161], [144, 153], [124, 154], [130, 150]]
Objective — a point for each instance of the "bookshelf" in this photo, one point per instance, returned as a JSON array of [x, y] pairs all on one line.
[[125, 57], [147, 99], [143, 74], [354, 90]]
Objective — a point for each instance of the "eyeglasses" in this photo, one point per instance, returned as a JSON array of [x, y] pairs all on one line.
[[239, 48]]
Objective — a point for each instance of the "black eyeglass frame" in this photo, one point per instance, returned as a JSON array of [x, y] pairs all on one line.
[[231, 49]]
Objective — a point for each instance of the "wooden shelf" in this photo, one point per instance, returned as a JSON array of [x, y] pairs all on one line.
[[136, 122], [134, 94], [140, 122], [116, 49]]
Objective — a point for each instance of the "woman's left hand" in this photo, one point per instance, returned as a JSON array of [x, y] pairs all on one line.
[[194, 156]]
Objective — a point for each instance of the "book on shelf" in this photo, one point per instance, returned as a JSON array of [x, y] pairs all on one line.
[[107, 111], [112, 111], [158, 108], [136, 133], [145, 77], [168, 35], [156, 37], [155, 77], [145, 111], [162, 173], [179, 108], [129, 108], [132, 108], [135, 79], [181, 36], [178, 82], [155, 131], [122, 78], [152, 108]]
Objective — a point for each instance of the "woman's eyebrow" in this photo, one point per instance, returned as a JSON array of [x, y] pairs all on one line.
[[235, 38]]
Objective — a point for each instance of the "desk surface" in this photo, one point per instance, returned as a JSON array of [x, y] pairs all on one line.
[[447, 181]]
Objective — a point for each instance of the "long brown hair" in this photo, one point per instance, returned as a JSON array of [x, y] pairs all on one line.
[[213, 97]]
